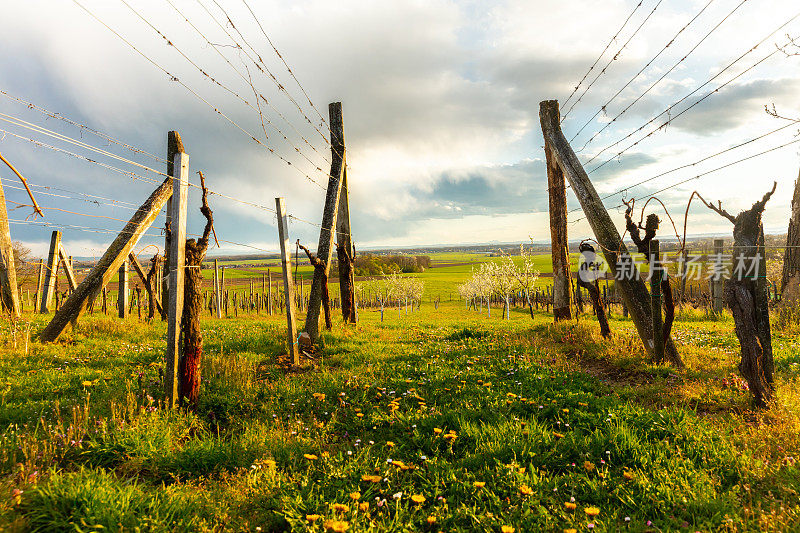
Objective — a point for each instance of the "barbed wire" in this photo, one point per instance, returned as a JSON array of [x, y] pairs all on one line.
[[604, 108], [596, 61], [616, 56], [668, 110], [195, 93]]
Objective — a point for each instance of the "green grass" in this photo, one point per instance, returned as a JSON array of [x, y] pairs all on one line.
[[541, 415]]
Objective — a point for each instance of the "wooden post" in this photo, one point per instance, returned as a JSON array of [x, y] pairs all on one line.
[[66, 263], [345, 253], [50, 273], [329, 215], [39, 286], [656, 276], [288, 285], [174, 147], [122, 292], [632, 288], [716, 280], [8, 271], [176, 275], [557, 193], [217, 291], [134, 262], [269, 288]]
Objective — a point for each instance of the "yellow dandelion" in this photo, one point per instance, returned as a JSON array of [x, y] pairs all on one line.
[[390, 444], [337, 526], [364, 506], [418, 499], [355, 495], [511, 395], [571, 530], [371, 479], [478, 484], [313, 517], [588, 465], [438, 431], [565, 410], [507, 529], [592, 511], [558, 435], [310, 456], [570, 506], [326, 454], [360, 415], [525, 490], [431, 520], [628, 475], [340, 507]]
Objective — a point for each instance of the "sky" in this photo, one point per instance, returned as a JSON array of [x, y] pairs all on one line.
[[440, 103]]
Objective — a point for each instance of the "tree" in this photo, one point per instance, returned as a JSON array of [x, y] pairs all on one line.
[[22, 253]]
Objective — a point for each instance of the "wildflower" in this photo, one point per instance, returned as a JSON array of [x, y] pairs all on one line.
[[310, 456], [431, 520], [588, 465], [451, 437], [511, 395], [360, 415], [565, 410], [507, 529], [355, 495], [313, 517], [628, 475], [419, 499], [478, 484], [558, 435], [526, 490], [627, 518], [16, 496], [437, 431], [339, 507], [569, 506], [592, 511], [326, 454], [364, 506], [338, 526], [571, 530], [319, 396], [390, 444], [371, 479], [397, 495]]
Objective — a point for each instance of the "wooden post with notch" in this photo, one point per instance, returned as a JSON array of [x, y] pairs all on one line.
[[174, 147], [176, 275], [288, 284], [329, 215], [50, 273], [8, 270], [559, 249], [631, 287]]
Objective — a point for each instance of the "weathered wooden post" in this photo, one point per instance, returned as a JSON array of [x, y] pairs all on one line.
[[50, 273], [217, 291], [174, 147], [176, 274], [66, 264], [329, 215], [717, 278], [288, 286], [269, 290], [559, 250], [632, 288], [8, 271], [345, 253], [656, 276], [122, 292], [791, 256]]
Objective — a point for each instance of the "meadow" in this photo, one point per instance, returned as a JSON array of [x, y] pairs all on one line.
[[434, 420]]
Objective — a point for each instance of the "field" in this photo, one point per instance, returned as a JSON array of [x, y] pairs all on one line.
[[435, 420]]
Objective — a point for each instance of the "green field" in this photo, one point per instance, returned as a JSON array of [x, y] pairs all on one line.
[[436, 420]]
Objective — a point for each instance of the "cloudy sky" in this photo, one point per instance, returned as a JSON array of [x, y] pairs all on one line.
[[440, 104]]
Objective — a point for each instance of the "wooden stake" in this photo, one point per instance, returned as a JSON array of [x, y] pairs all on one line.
[[174, 147], [177, 263], [66, 263], [345, 254], [151, 291], [656, 276], [123, 295], [326, 234], [632, 288], [557, 193], [8, 271], [50, 273], [288, 285], [217, 291]]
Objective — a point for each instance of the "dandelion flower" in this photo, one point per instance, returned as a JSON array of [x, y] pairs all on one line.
[[360, 415], [507, 529], [592, 511], [340, 507], [628, 475], [558, 435], [438, 431], [310, 456], [588, 465], [478, 484], [418, 498], [355, 495], [337, 526], [313, 517], [364, 506], [371, 479], [431, 520], [526, 490], [571, 530], [390, 444], [569, 506]]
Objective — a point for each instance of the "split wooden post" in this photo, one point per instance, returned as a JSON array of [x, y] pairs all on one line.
[[345, 252], [217, 291], [288, 284], [716, 280], [66, 263], [559, 250], [50, 273], [174, 147], [8, 270], [329, 215], [123, 295], [631, 287], [176, 275], [656, 275]]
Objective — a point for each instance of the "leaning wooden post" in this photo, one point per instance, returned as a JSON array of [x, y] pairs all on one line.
[[50, 273], [716, 280], [288, 285], [123, 294], [66, 263], [631, 287], [559, 250], [326, 233], [656, 275], [177, 263], [8, 271], [345, 253], [217, 291]]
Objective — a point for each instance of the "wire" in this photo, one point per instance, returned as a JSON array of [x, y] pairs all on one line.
[[613, 39], [668, 109], [102, 135], [611, 61], [659, 80]]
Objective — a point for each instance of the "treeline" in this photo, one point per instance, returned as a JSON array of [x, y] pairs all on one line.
[[379, 265]]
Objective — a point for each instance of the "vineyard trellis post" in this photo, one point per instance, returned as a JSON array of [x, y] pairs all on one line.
[[791, 257], [66, 263], [174, 147], [345, 252], [217, 290], [656, 277], [176, 274], [559, 249], [50, 273], [632, 288], [39, 285], [717, 279], [152, 292], [123, 294], [8, 271], [328, 229], [288, 286]]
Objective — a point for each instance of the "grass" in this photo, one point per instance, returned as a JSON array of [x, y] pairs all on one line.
[[438, 420]]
